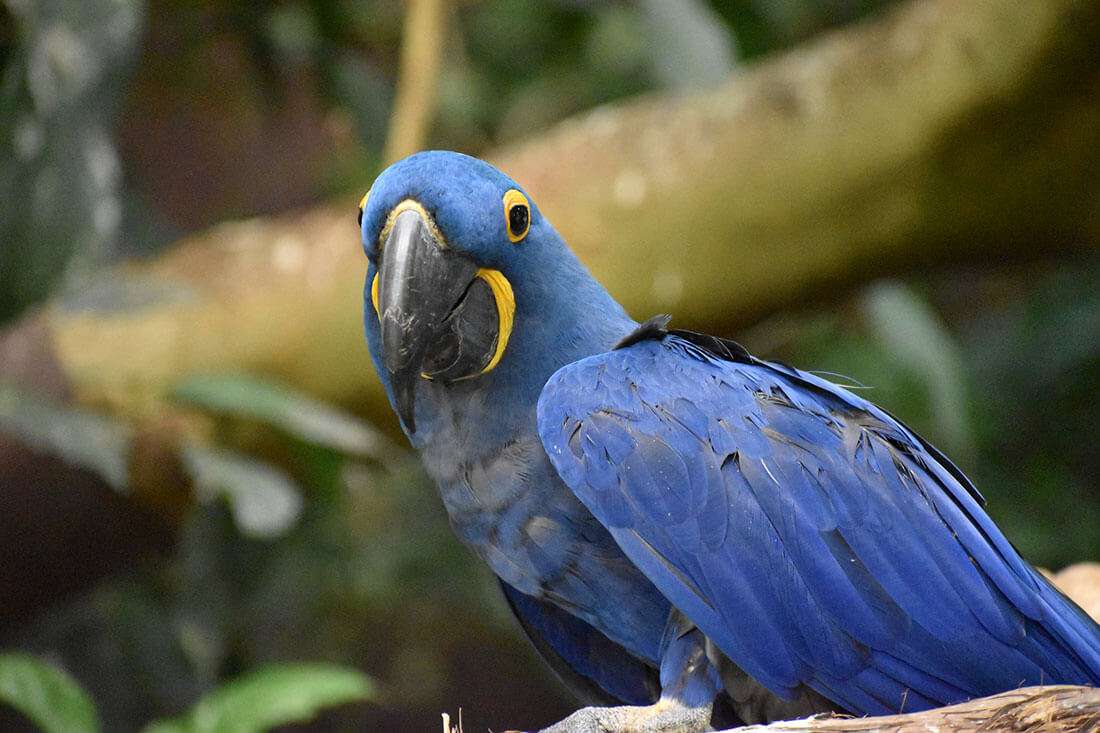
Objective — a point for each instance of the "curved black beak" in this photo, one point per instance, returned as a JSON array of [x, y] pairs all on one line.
[[420, 281]]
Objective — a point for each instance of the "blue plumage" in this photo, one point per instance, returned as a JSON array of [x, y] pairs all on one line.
[[661, 504], [859, 563]]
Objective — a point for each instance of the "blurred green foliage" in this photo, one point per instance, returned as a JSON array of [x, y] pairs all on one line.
[[65, 66], [258, 701], [46, 694], [116, 115], [269, 697]]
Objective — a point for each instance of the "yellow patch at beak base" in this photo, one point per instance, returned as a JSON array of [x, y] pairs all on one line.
[[506, 312]]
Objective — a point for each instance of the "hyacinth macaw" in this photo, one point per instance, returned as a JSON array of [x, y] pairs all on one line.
[[683, 530]]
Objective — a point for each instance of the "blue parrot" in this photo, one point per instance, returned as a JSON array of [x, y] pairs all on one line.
[[684, 531]]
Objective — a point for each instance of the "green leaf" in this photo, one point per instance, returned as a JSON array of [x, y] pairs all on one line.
[[46, 694], [296, 413], [265, 501], [910, 330], [78, 437], [270, 697], [689, 43]]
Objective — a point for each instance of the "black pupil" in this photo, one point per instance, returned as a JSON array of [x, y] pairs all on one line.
[[517, 219]]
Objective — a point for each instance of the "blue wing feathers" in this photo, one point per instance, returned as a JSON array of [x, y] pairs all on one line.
[[809, 534]]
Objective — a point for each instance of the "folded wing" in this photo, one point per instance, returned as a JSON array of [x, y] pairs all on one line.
[[812, 537]]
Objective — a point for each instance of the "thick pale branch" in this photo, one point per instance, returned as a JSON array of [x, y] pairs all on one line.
[[1050, 709], [947, 129]]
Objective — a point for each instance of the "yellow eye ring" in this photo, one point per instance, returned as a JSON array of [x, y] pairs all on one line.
[[517, 215], [363, 206]]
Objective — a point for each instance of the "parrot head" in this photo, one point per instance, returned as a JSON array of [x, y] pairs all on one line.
[[455, 248]]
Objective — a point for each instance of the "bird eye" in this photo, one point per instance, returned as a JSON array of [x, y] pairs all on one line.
[[362, 206], [518, 213]]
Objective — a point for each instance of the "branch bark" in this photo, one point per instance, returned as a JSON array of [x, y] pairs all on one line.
[[1050, 709], [944, 130], [947, 129]]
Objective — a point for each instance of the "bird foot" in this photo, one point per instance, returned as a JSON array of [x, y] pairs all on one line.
[[665, 716]]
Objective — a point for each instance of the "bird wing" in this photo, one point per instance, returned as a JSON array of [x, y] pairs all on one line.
[[810, 535]]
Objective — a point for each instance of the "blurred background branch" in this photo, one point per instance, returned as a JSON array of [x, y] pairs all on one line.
[[199, 472], [868, 152], [414, 104]]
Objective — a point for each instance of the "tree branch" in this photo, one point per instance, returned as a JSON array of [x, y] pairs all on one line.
[[947, 129], [414, 103], [1050, 709], [944, 130]]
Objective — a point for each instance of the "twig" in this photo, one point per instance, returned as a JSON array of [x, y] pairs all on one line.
[[414, 102]]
